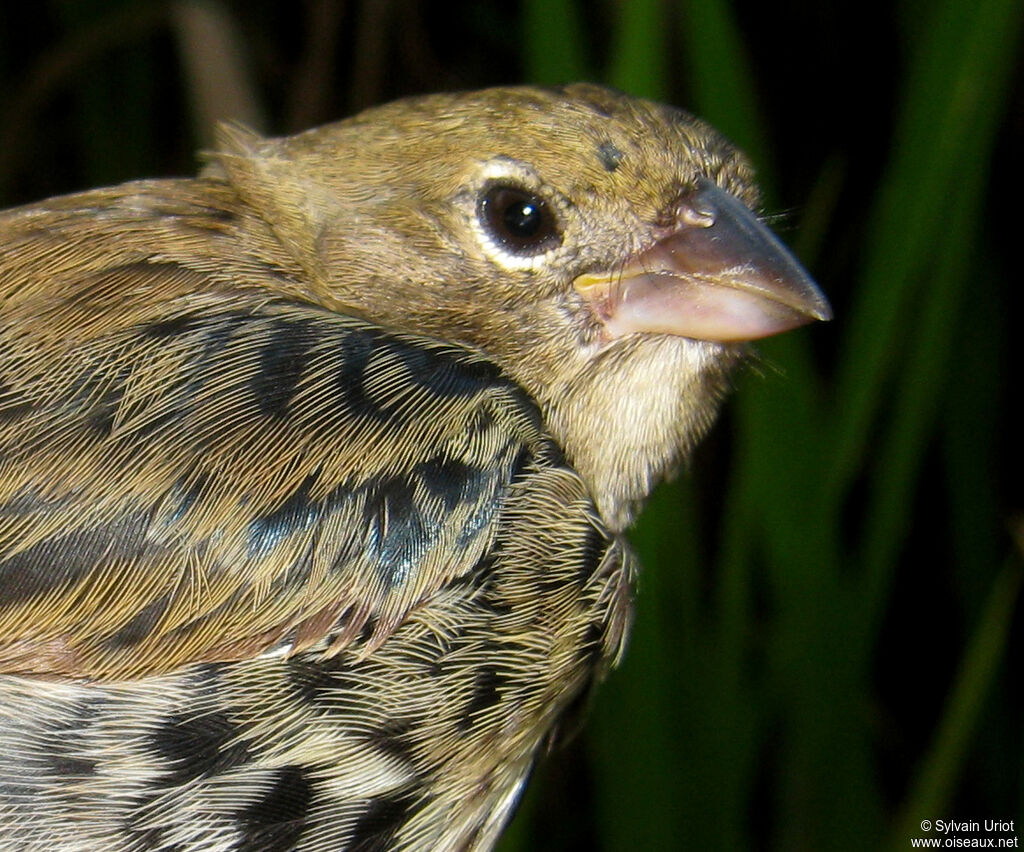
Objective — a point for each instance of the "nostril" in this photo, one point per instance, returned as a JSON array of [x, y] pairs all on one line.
[[687, 214]]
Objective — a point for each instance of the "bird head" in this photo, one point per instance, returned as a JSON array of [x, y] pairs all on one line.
[[602, 249]]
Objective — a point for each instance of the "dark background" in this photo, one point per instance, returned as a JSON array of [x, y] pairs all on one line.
[[828, 643]]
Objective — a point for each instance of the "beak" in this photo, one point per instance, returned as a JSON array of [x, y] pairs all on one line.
[[719, 275]]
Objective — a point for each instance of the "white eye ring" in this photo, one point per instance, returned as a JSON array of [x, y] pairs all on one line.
[[517, 219], [509, 196]]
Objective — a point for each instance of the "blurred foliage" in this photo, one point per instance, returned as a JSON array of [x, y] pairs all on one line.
[[828, 619]]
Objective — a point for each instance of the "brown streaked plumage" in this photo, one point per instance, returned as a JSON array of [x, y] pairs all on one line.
[[314, 470]]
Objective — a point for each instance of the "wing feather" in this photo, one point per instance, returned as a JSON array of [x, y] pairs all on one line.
[[237, 478]]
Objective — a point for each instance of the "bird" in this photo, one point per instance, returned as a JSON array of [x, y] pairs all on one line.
[[316, 468]]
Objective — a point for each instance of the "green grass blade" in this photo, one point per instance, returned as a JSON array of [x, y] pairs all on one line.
[[938, 274], [931, 793], [956, 75], [554, 42], [913, 411], [723, 87], [639, 52]]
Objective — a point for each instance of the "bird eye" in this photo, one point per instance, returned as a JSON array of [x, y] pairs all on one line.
[[518, 220]]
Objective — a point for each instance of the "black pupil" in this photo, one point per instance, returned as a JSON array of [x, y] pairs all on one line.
[[522, 218], [518, 219]]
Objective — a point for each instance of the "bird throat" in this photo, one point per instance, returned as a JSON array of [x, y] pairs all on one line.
[[627, 425]]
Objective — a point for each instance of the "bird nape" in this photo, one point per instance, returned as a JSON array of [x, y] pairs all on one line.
[[314, 469]]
